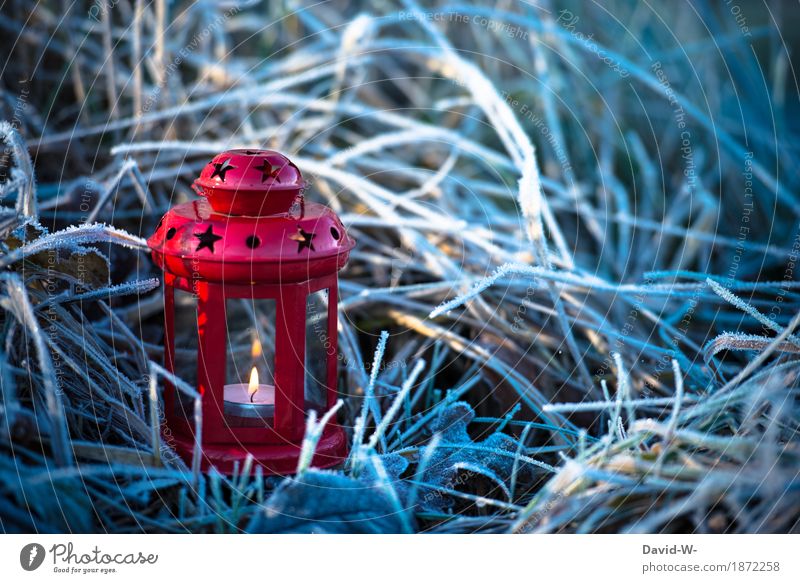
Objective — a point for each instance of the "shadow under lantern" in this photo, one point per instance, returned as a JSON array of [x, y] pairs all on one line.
[[250, 305]]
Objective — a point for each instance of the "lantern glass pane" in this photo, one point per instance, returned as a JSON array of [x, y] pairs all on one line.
[[318, 350], [250, 346], [185, 349]]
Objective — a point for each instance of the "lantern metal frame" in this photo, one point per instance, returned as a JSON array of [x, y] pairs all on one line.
[[273, 272]]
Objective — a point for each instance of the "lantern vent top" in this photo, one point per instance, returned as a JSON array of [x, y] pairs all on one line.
[[250, 183]]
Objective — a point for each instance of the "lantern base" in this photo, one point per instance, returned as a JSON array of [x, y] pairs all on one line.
[[280, 460]]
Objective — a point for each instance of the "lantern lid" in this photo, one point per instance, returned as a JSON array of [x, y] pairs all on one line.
[[194, 241], [250, 182]]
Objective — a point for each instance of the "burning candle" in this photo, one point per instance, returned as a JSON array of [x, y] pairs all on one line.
[[250, 400]]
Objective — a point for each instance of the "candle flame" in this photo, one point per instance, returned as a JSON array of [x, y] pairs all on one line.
[[255, 349], [252, 386]]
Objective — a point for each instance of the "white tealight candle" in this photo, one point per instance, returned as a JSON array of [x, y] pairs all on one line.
[[240, 393], [249, 399]]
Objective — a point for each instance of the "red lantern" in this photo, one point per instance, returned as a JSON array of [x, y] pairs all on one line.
[[250, 276]]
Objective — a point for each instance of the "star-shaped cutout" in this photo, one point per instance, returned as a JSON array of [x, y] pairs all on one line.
[[220, 168], [304, 239], [269, 171], [207, 239]]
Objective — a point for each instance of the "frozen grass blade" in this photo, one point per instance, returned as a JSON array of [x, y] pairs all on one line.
[[313, 434], [17, 302], [369, 394], [408, 384]]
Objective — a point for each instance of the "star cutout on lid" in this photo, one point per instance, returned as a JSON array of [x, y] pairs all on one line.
[[304, 239], [207, 239], [220, 168], [269, 171]]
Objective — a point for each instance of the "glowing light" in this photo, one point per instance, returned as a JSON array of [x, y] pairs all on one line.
[[252, 386], [255, 349]]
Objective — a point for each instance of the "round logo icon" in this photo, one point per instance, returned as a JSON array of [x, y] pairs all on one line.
[[31, 556]]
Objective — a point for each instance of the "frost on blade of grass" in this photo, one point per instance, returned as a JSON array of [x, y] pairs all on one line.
[[368, 403], [122, 289], [749, 310], [72, 239], [313, 434], [482, 285], [739, 341], [21, 178], [394, 409]]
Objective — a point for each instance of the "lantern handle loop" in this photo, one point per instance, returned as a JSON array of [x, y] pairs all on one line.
[[198, 188]]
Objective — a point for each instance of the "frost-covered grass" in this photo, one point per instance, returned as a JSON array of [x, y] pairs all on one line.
[[573, 305]]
